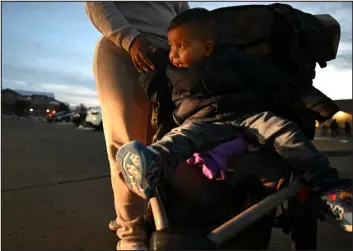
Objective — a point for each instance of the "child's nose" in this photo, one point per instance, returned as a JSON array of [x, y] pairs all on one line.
[[173, 54]]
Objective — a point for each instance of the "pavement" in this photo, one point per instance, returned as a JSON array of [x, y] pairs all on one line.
[[56, 191], [335, 145]]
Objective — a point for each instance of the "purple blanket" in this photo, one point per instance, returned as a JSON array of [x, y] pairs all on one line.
[[214, 161]]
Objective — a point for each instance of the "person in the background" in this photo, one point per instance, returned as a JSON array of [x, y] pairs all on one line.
[[130, 30], [324, 129], [347, 128], [334, 128]]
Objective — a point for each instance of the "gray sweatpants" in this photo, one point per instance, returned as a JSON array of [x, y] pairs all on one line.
[[125, 115], [284, 136]]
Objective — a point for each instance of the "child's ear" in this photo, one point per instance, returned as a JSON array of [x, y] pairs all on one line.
[[209, 48]]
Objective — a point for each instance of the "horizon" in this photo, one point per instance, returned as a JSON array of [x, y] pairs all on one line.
[[49, 47]]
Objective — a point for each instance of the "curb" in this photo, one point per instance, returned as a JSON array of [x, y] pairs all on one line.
[[337, 153]]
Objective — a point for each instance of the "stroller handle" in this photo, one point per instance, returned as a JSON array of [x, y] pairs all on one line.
[[159, 215], [238, 223]]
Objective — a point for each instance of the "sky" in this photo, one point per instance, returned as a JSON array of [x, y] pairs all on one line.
[[49, 46]]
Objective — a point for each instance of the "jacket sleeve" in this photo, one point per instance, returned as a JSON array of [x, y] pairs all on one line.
[[322, 107], [155, 84], [182, 6], [156, 80], [107, 18]]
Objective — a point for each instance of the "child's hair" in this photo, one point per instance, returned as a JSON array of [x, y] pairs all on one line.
[[199, 19]]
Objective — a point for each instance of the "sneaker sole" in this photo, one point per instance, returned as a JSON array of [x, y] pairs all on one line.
[[113, 226], [131, 160], [134, 246], [347, 222], [347, 228]]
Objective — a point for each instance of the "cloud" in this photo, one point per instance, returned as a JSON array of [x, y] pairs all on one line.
[[73, 94], [344, 61], [90, 102], [31, 53], [67, 87], [47, 75], [11, 82], [335, 82]]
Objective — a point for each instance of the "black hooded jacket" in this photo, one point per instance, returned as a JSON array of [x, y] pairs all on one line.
[[209, 90], [231, 82]]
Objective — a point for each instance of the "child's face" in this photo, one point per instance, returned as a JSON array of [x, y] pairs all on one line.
[[185, 48]]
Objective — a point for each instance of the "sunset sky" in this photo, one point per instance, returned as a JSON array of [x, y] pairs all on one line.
[[48, 46]]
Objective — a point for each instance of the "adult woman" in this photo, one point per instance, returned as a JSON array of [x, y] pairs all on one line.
[[130, 30]]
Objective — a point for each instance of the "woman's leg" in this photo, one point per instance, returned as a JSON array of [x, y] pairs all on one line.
[[125, 114]]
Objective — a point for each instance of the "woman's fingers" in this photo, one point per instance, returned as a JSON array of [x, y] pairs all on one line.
[[134, 60], [147, 62], [141, 66], [142, 61]]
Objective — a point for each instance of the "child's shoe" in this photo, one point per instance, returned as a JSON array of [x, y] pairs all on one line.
[[338, 204], [114, 226], [124, 245], [139, 166]]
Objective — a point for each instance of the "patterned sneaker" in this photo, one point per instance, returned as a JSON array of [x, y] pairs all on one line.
[[339, 207], [123, 245], [137, 164]]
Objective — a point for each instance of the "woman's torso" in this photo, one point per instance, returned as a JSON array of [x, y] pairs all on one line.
[[150, 18]]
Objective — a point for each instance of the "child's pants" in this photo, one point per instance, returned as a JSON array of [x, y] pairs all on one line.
[[284, 136]]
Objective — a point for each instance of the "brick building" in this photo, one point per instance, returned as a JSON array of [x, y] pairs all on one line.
[[25, 103]]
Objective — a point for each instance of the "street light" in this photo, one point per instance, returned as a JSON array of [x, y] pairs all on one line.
[[31, 109]]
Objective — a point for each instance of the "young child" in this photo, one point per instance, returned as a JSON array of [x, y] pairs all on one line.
[[203, 82]]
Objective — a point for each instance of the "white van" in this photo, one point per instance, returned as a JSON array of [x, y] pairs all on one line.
[[94, 118]]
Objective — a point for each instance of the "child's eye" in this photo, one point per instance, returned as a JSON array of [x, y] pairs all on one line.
[[182, 47]]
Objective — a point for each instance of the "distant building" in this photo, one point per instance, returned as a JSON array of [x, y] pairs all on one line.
[[345, 113], [342, 116], [34, 93], [26, 103], [345, 105]]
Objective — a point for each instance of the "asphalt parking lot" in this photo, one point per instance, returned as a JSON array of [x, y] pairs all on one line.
[[56, 191]]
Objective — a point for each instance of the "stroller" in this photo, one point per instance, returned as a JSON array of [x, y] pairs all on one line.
[[232, 217], [192, 212]]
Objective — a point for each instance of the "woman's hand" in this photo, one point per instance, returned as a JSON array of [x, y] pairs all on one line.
[[139, 53]]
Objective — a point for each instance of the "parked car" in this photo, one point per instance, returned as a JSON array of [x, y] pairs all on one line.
[[64, 118], [78, 118], [59, 117], [94, 118]]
